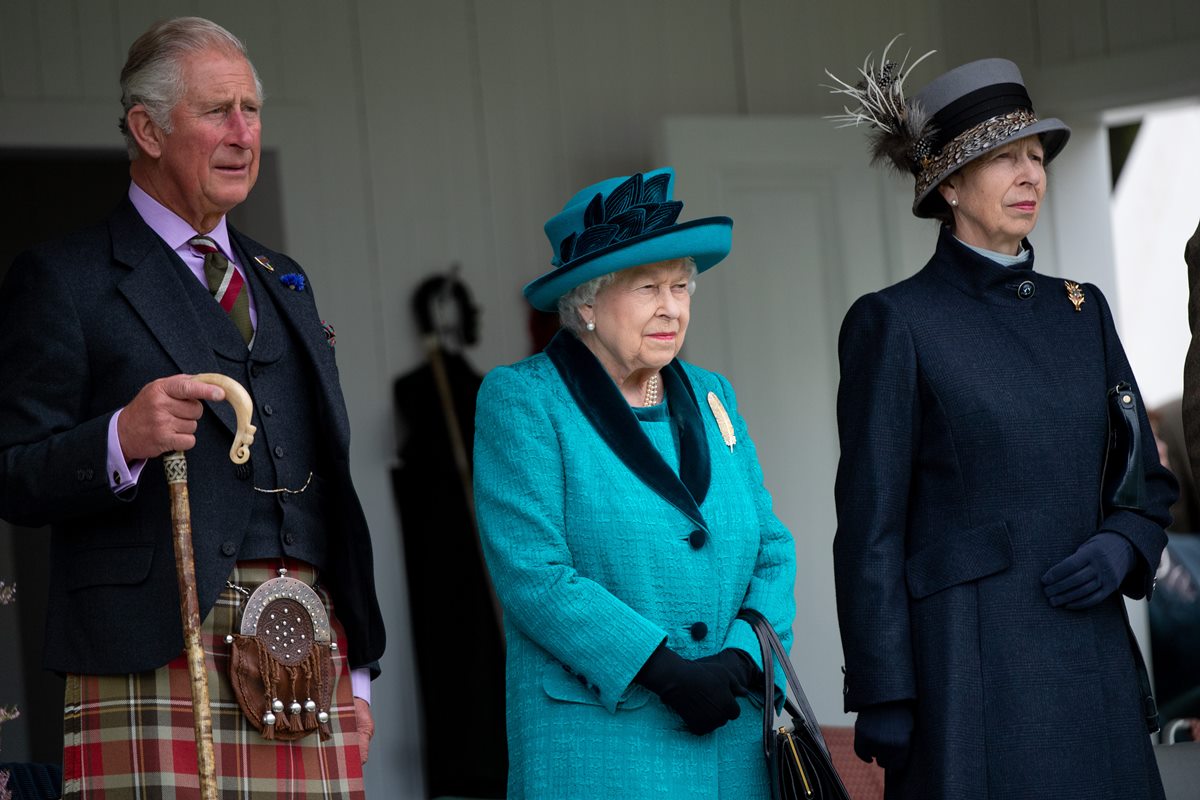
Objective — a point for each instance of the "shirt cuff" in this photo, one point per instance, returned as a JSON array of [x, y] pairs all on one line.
[[122, 476], [360, 683]]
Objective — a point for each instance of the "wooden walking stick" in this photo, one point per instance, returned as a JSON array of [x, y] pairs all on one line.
[[185, 569]]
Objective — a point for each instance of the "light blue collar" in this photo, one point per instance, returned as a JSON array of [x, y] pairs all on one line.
[[1003, 259]]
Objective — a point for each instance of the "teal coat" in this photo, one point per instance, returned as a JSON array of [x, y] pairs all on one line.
[[606, 536]]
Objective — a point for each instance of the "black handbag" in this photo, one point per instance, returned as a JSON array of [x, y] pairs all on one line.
[[1123, 486], [1124, 481], [798, 760]]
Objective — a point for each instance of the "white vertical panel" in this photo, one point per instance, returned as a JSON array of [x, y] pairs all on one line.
[[526, 161], [58, 48], [424, 132], [1069, 30], [1185, 20], [20, 68], [1133, 25], [621, 67], [101, 52], [258, 26], [788, 46]]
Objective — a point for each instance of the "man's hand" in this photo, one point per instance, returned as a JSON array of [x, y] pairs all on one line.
[[162, 416], [366, 726]]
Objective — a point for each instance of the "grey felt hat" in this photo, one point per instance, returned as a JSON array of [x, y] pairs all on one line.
[[958, 117], [973, 109]]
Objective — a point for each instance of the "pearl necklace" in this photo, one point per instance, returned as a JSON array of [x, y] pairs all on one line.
[[650, 398]]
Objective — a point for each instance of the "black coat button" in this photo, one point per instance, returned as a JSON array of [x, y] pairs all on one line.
[[267, 409], [283, 498], [1026, 290], [228, 549], [697, 538], [88, 472], [289, 538], [699, 631], [278, 451], [80, 475], [255, 371]]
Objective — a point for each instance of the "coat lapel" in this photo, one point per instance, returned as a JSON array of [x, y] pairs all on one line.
[[604, 407], [155, 290], [299, 312]]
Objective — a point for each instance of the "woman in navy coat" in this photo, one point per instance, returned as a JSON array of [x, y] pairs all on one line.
[[625, 523], [979, 581]]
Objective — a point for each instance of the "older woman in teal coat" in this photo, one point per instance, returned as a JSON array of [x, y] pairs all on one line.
[[625, 522]]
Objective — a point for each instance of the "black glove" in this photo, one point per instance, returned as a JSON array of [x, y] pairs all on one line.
[[1091, 573], [740, 665], [703, 693], [883, 732]]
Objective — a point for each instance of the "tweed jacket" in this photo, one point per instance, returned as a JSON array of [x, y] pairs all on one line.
[[88, 321], [601, 547], [972, 419]]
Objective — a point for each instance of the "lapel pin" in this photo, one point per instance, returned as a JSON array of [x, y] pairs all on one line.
[[723, 421], [1074, 294], [262, 260]]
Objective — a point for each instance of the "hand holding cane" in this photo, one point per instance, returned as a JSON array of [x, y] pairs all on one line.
[[185, 568]]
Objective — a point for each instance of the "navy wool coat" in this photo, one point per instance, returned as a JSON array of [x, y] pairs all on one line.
[[972, 419], [605, 537]]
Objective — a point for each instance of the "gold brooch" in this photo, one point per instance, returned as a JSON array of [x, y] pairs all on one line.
[[1074, 294], [723, 421], [262, 260]]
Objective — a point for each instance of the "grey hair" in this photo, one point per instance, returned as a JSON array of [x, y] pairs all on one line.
[[585, 295], [153, 71]]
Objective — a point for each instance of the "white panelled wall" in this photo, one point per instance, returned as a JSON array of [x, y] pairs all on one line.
[[413, 134]]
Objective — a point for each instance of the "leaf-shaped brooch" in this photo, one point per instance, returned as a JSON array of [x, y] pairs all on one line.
[[723, 421], [1074, 294]]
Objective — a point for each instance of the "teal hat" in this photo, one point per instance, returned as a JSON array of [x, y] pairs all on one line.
[[620, 223]]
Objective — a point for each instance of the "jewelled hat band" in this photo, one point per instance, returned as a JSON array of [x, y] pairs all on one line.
[[970, 143]]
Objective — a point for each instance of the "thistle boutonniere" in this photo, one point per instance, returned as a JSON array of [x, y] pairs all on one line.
[[293, 280]]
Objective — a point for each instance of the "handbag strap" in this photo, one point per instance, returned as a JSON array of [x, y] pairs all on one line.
[[796, 703]]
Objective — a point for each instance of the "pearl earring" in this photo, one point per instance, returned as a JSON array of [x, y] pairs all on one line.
[[954, 202], [591, 326]]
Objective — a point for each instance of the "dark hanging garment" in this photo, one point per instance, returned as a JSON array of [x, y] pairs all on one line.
[[455, 628]]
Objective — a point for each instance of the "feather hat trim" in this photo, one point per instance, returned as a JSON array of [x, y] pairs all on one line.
[[959, 116], [901, 129]]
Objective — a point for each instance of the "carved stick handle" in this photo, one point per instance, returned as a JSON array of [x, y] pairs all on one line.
[[243, 407], [175, 465]]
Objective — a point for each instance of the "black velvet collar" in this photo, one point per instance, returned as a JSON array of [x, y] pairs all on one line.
[[601, 402]]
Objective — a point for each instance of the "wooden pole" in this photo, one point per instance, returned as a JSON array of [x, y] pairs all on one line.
[[458, 448], [175, 465]]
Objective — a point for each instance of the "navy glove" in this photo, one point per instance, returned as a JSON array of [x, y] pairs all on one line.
[[884, 732], [1091, 573], [703, 693], [740, 665]]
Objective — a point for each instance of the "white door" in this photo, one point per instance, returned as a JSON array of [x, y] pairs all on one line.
[[814, 227]]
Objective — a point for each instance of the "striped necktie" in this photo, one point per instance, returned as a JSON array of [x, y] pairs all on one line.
[[226, 285]]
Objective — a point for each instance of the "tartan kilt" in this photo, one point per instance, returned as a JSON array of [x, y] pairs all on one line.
[[131, 736]]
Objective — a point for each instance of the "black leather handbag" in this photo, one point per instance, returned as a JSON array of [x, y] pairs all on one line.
[[1123, 487], [798, 760], [1124, 482]]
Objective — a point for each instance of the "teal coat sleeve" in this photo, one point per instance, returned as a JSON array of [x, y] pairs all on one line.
[[520, 494]]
